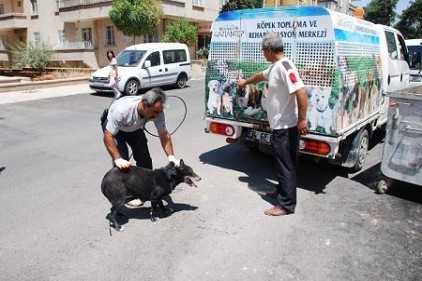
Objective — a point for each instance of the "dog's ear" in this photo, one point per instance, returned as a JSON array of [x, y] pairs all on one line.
[[170, 170]]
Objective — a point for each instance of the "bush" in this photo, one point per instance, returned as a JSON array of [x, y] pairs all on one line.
[[36, 56], [203, 53]]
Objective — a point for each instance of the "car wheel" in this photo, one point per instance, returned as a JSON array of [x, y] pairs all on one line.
[[181, 81], [132, 87], [361, 142]]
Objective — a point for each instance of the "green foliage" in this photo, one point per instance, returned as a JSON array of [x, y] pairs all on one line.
[[36, 56], [203, 53], [241, 4], [136, 17], [410, 23], [381, 11], [181, 31]]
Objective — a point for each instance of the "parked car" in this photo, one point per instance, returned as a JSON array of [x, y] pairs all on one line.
[[415, 51], [145, 66]]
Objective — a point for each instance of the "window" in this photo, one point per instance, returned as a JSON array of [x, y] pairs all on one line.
[[87, 36], [154, 58], [130, 57], [1, 9], [174, 56], [110, 36], [37, 38], [34, 7], [391, 45], [198, 3], [61, 36]]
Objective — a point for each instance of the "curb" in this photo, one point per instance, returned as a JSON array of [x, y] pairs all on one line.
[[30, 85]]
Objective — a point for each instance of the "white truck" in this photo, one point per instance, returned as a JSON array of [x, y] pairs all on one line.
[[415, 51], [347, 64]]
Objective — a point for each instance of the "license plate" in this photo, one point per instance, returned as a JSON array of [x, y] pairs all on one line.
[[261, 136], [96, 84]]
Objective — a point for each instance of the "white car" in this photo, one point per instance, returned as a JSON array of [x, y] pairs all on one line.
[[415, 51], [145, 66]]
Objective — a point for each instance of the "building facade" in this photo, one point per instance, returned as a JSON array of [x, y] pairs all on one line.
[[81, 31]]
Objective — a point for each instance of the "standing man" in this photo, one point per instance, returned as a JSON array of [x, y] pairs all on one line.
[[287, 106], [126, 119]]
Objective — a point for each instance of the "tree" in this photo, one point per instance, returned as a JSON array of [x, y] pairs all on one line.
[[181, 31], [410, 23], [136, 17], [34, 55], [241, 4], [381, 11]]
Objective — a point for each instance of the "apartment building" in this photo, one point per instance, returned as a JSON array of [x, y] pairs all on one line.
[[81, 31]]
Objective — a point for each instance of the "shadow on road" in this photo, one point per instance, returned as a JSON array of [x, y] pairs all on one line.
[[143, 212], [260, 172], [372, 176]]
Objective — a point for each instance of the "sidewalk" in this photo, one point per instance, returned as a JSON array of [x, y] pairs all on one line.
[[36, 92], [29, 90]]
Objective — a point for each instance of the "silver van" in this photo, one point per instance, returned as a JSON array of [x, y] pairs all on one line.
[[145, 66]]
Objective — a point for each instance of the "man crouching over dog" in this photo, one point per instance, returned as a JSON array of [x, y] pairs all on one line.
[[125, 123]]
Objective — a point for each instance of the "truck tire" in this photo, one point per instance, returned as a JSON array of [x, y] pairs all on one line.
[[361, 143], [132, 87]]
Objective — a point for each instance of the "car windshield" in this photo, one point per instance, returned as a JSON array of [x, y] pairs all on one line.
[[130, 58], [415, 56]]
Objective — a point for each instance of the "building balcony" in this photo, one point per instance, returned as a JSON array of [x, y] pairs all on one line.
[[83, 10], [13, 21], [74, 45]]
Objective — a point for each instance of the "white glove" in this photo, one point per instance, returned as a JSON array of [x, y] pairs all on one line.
[[122, 163], [174, 160]]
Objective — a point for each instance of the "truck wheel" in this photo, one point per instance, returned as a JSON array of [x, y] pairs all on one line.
[[361, 143], [181, 81], [132, 87]]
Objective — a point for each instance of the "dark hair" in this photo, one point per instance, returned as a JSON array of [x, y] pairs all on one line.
[[154, 95], [110, 52]]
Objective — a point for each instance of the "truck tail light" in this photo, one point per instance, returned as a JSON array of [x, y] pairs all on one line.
[[221, 129], [317, 147]]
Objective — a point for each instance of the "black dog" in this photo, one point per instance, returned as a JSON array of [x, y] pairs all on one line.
[[144, 184]]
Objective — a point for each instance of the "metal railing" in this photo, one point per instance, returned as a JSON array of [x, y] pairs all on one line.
[[12, 15], [74, 45], [73, 3]]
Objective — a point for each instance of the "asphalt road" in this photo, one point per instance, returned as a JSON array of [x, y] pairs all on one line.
[[52, 161]]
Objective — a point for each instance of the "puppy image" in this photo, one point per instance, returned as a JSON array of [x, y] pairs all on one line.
[[228, 103], [214, 97], [249, 96], [321, 115], [362, 101], [144, 184], [373, 96]]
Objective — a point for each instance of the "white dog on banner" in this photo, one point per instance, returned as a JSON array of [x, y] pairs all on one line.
[[321, 115], [214, 97]]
